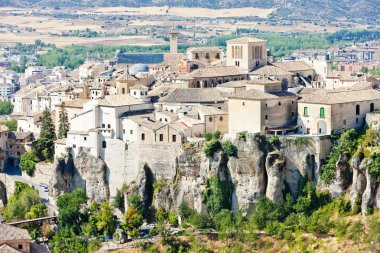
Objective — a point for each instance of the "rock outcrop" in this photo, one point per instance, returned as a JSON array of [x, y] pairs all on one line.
[[3, 194], [275, 167], [343, 177], [85, 171]]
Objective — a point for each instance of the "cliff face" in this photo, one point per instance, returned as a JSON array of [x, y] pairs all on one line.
[[257, 169], [85, 171]]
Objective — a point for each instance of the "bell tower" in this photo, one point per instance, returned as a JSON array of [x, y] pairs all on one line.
[[173, 41]]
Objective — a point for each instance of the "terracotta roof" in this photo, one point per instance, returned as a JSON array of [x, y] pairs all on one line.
[[119, 100], [270, 70], [206, 95], [244, 40], [7, 249], [293, 66], [10, 233], [260, 95], [340, 96], [139, 86], [147, 121], [217, 72]]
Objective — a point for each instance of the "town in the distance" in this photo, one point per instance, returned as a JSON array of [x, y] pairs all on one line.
[[151, 152]]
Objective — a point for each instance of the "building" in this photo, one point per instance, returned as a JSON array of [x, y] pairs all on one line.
[[327, 111], [262, 108], [17, 240], [205, 54], [247, 53], [17, 144], [180, 98], [173, 41], [272, 72]]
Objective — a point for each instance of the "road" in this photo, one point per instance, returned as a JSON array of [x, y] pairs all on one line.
[[15, 174]]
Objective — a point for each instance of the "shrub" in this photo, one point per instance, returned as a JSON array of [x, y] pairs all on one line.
[[275, 141], [28, 163], [355, 231], [228, 148], [264, 212], [320, 221], [216, 196], [200, 221], [185, 210], [211, 147], [216, 135], [173, 219], [243, 136], [373, 230], [208, 136]]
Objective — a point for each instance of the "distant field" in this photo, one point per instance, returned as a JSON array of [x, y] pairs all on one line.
[[184, 12]]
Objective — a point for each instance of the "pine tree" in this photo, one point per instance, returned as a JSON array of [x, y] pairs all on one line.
[[64, 125], [47, 128]]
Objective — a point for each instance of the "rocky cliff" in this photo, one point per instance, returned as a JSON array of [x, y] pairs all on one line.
[[85, 171], [258, 169]]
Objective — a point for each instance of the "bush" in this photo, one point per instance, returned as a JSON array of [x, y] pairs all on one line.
[[265, 212], [216, 196], [28, 163], [208, 136], [275, 141], [320, 221], [184, 210], [200, 221], [216, 135], [173, 219], [211, 147], [228, 148]]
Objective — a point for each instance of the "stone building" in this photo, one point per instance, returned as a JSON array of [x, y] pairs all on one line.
[[247, 53], [326, 111], [205, 54], [17, 144], [262, 108]]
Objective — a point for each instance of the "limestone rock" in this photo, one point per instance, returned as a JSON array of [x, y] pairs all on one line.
[[343, 177], [275, 167], [359, 181], [3, 194], [368, 197], [85, 171]]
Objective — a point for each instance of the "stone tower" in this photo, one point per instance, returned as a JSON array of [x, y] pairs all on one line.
[[173, 41]]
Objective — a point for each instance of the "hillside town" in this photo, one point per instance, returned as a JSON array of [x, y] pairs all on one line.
[[150, 105]]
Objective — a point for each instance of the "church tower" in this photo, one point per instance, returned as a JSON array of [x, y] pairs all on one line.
[[173, 41]]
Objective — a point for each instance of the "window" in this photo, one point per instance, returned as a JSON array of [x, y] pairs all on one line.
[[104, 144], [292, 114], [357, 120], [103, 125], [174, 138], [372, 107], [143, 137], [210, 119], [243, 104], [357, 109], [85, 138], [305, 111], [221, 118], [279, 103], [109, 125], [74, 145], [217, 56], [322, 112], [207, 56], [196, 56], [134, 93], [123, 91], [131, 131], [20, 246], [161, 137], [266, 117], [344, 122], [166, 120]]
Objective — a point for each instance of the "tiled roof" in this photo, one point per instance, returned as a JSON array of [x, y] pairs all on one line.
[[217, 72], [3, 128], [10, 233], [260, 95], [270, 70], [293, 66], [75, 103], [147, 121], [139, 86], [233, 84], [244, 40], [18, 136], [204, 49], [7, 249], [193, 96], [119, 100], [339, 96], [210, 110]]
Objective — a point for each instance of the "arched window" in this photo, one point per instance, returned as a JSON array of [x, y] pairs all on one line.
[[104, 144], [196, 56], [210, 119], [221, 118], [305, 111], [123, 91], [217, 56], [322, 112], [372, 107], [357, 109]]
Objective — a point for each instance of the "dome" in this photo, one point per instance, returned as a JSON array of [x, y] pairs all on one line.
[[138, 68]]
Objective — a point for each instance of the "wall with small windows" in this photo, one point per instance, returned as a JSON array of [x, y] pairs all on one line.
[[314, 118]]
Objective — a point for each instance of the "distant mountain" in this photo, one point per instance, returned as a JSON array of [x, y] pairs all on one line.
[[286, 9]]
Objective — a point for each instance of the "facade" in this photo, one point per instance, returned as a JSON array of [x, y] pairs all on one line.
[[247, 53], [205, 54], [324, 112], [262, 110], [17, 144]]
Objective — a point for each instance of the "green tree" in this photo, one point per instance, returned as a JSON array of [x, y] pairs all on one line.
[[6, 107], [11, 124], [64, 125], [28, 163], [70, 214], [106, 221], [119, 201], [133, 219], [45, 143], [66, 241]]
